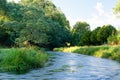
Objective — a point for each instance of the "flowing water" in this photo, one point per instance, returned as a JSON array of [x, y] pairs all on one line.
[[71, 66]]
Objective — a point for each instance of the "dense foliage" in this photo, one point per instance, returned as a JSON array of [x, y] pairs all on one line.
[[93, 37], [114, 39], [78, 31], [105, 32], [33, 22], [82, 35]]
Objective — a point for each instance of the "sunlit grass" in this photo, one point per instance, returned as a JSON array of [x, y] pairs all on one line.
[[21, 59], [66, 49], [111, 52]]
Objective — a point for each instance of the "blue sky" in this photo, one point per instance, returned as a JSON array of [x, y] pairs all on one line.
[[82, 8], [94, 12]]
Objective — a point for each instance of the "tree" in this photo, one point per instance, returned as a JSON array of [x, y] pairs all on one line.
[[12, 28], [86, 38], [35, 22], [58, 35], [3, 35], [35, 33], [15, 12], [93, 36], [77, 32], [41, 17], [117, 7], [114, 39], [105, 32], [3, 7], [3, 10]]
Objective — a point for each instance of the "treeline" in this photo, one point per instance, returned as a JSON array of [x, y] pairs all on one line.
[[41, 23], [82, 35]]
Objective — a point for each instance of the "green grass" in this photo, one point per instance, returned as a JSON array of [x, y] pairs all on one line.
[[21, 60], [111, 52]]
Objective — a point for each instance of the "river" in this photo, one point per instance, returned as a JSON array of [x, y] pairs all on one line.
[[71, 66]]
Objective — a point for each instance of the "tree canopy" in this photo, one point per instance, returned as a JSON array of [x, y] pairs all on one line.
[[117, 7], [37, 22], [78, 30], [104, 33], [93, 36]]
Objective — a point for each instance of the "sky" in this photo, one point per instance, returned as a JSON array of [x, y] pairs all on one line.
[[94, 12]]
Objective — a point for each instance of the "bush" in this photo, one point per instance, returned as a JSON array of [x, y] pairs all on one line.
[[103, 53], [116, 54], [21, 60]]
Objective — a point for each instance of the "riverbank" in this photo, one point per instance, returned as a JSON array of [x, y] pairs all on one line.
[[21, 60], [110, 52]]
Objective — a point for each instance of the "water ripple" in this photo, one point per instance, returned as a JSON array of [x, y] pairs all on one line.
[[71, 66]]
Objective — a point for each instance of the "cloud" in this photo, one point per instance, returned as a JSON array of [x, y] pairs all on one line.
[[99, 8], [106, 18], [99, 19], [103, 17]]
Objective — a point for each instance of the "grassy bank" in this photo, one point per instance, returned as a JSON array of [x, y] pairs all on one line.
[[111, 52], [21, 60]]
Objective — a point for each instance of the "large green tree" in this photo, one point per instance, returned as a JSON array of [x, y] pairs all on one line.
[[86, 38], [42, 23], [105, 32], [36, 22], [93, 36], [77, 32]]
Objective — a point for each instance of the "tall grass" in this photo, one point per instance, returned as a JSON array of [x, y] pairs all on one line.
[[21, 59], [111, 52]]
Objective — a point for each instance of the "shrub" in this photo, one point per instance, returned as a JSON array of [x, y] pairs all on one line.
[[22, 60]]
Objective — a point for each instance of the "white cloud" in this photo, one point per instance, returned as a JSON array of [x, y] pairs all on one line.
[[99, 8], [103, 17], [106, 18], [99, 19]]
